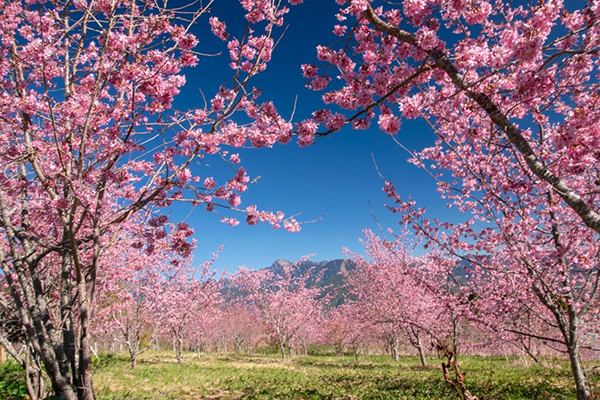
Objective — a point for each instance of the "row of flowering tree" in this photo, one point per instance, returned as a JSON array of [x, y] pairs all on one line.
[[286, 303], [461, 303], [162, 298], [392, 301], [395, 301]]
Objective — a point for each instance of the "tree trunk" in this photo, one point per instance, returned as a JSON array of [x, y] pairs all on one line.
[[46, 341], [179, 345], [394, 349], [458, 382], [530, 354], [133, 352], [34, 379], [83, 381], [338, 349], [582, 390], [421, 351], [282, 347], [86, 389]]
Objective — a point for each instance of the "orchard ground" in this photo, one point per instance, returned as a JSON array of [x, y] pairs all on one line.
[[235, 376]]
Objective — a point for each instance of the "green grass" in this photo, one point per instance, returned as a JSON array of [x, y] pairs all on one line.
[[265, 377], [12, 381]]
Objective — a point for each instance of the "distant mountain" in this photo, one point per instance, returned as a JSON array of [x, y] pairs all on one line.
[[331, 273]]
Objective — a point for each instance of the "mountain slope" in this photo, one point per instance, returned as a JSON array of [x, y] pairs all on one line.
[[329, 272]]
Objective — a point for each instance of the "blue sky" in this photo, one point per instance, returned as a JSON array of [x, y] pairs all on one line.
[[335, 178]]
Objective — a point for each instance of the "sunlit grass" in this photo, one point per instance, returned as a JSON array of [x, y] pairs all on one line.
[[266, 377]]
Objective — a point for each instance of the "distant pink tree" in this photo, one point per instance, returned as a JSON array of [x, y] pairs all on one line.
[[129, 287], [285, 302], [391, 295], [188, 296], [343, 328], [237, 329], [333, 330], [207, 315], [308, 332], [408, 298], [125, 308]]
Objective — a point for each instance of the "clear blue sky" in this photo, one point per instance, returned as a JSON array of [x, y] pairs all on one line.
[[335, 177]]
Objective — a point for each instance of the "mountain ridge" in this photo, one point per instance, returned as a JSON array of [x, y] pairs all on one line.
[[330, 273]]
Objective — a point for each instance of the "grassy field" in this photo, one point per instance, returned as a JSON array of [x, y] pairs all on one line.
[[265, 377], [213, 376]]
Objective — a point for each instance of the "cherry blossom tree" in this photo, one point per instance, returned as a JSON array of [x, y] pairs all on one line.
[[237, 328], [529, 257], [333, 330], [344, 328], [510, 91], [284, 301], [128, 289], [125, 313], [308, 332], [187, 297], [422, 300], [523, 76], [391, 294], [89, 138], [207, 313]]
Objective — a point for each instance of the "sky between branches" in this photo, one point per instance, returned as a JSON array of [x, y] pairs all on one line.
[[335, 178]]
